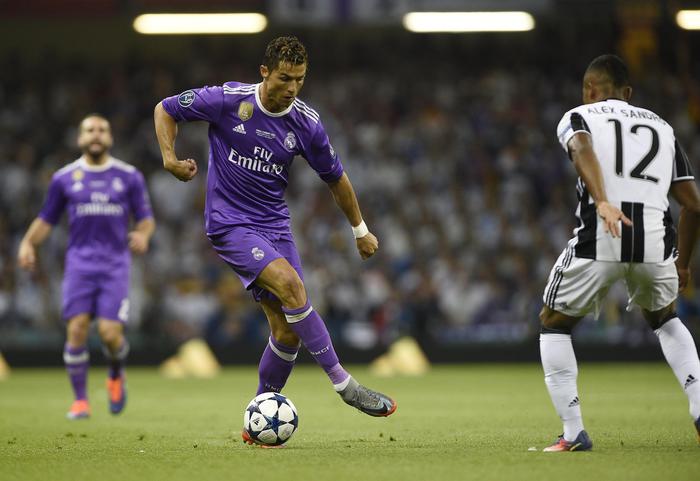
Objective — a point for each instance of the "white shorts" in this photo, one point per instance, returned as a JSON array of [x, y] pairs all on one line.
[[577, 286]]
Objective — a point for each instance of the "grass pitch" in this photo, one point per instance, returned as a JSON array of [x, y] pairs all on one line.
[[458, 422]]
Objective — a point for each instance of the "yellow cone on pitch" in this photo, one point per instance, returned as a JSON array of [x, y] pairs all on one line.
[[404, 357], [197, 359], [4, 368], [193, 358]]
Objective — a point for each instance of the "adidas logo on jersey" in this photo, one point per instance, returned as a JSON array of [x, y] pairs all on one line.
[[239, 128], [690, 380]]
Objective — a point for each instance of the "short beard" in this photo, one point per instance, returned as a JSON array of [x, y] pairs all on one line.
[[91, 153]]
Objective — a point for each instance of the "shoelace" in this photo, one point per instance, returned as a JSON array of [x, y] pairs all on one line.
[[369, 394]]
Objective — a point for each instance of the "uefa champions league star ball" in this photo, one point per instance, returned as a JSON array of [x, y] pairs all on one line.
[[270, 419]]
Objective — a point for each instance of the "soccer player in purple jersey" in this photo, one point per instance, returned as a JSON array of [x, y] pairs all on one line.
[[100, 193], [255, 131]]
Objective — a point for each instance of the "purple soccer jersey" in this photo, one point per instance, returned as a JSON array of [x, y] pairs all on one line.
[[251, 150], [99, 201]]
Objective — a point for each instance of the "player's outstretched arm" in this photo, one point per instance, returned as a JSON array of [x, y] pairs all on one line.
[[38, 231], [687, 195], [166, 131], [345, 197], [587, 165]]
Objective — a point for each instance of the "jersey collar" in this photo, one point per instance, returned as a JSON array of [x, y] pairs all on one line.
[[265, 111], [614, 99], [95, 168]]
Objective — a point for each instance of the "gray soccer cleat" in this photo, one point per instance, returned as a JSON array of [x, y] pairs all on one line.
[[369, 402]]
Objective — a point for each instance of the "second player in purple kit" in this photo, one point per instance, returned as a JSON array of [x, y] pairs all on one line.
[[255, 132], [100, 194]]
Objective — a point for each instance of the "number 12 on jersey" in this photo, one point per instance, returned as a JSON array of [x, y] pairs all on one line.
[[638, 171]]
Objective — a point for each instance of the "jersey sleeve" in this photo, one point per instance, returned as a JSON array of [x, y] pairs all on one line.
[[196, 104], [55, 202], [321, 156], [681, 165], [139, 201], [571, 123]]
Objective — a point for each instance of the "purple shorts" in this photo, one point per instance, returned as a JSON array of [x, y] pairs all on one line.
[[249, 251], [102, 294]]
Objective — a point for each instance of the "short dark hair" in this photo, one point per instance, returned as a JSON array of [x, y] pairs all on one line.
[[93, 114], [613, 67], [284, 50]]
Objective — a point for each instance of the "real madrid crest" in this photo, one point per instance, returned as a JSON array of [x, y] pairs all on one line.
[[290, 141], [78, 175], [117, 184], [245, 111]]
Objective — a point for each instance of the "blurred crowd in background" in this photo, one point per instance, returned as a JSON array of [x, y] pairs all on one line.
[[454, 159]]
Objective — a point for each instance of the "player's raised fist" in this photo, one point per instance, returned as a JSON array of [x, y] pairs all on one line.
[[367, 245], [184, 170]]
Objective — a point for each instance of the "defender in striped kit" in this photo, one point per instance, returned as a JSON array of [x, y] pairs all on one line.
[[628, 161], [255, 132]]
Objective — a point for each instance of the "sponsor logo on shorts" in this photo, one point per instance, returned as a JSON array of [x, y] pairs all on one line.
[[258, 253], [186, 98]]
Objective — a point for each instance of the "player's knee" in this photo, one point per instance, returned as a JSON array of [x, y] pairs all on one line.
[[77, 330], [110, 333], [291, 290], [551, 322], [658, 318]]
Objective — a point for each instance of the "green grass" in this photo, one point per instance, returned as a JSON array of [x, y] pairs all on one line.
[[459, 422]]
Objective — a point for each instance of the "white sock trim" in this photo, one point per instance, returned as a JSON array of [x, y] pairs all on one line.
[[76, 359], [282, 355], [339, 387], [292, 318], [555, 337]]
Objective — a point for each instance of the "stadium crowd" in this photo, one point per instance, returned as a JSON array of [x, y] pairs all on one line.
[[457, 170]]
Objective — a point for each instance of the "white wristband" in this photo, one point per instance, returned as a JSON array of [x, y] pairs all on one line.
[[360, 230]]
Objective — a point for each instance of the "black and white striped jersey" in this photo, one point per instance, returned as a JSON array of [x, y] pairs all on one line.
[[640, 158]]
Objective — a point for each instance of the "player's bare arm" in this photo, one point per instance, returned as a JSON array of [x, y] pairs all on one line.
[[588, 167], [38, 231], [140, 237], [344, 195], [687, 195], [166, 131]]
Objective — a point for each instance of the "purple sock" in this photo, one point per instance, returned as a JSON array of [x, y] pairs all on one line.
[[118, 360], [77, 360], [275, 366], [309, 326]]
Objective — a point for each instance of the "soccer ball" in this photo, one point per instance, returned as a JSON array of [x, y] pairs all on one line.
[[270, 419]]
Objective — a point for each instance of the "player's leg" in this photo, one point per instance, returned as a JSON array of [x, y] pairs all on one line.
[[277, 361], [283, 281], [77, 361], [112, 312], [656, 285], [116, 349], [79, 290], [575, 287], [560, 374]]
